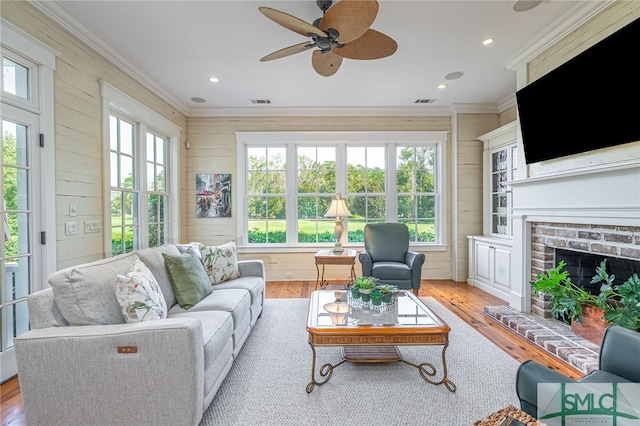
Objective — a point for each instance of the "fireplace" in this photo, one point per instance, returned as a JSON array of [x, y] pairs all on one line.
[[583, 247], [593, 206]]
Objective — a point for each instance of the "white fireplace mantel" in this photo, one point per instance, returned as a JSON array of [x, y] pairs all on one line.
[[600, 196]]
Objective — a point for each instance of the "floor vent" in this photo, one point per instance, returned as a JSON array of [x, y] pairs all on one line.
[[424, 101], [260, 101]]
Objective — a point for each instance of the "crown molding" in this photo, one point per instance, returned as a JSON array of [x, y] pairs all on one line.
[[72, 23], [567, 23], [270, 111]]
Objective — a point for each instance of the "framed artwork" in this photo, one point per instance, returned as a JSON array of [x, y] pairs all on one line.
[[213, 195]]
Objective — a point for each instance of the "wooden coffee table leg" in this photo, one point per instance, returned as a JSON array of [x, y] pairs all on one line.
[[325, 371]]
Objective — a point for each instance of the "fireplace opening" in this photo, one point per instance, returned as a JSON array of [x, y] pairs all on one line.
[[582, 267]]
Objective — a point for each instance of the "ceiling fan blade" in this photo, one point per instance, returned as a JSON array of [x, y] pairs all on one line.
[[291, 50], [372, 45], [325, 64], [351, 18], [291, 22]]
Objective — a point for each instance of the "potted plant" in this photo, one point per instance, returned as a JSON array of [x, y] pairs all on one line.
[[620, 303], [366, 285], [590, 315], [386, 291], [567, 299]]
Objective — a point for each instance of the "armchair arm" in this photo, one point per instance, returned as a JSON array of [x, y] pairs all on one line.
[[252, 268], [415, 261], [366, 262], [111, 374], [529, 374]]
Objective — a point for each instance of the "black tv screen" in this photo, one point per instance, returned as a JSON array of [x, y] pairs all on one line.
[[589, 102]]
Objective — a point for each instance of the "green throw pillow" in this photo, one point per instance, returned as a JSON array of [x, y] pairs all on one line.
[[188, 278]]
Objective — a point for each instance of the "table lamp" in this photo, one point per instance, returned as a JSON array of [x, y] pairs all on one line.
[[338, 209]]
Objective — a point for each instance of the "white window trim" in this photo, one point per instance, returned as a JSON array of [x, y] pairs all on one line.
[[146, 119], [341, 139]]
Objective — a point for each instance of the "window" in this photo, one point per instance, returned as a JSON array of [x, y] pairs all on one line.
[[292, 177], [504, 163], [143, 172], [316, 187]]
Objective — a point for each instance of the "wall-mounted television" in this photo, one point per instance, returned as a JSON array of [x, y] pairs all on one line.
[[591, 101]]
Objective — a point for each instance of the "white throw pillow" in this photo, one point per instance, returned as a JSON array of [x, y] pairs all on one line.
[[220, 262], [139, 295]]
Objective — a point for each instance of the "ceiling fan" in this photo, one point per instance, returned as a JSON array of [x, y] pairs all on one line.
[[342, 32]]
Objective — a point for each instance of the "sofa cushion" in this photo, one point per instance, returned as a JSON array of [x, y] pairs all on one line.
[[139, 295], [188, 279], [84, 293], [220, 262], [152, 257]]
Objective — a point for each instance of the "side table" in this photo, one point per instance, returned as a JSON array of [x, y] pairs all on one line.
[[328, 257]]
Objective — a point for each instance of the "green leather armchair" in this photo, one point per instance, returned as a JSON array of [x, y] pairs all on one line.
[[386, 256], [618, 364]]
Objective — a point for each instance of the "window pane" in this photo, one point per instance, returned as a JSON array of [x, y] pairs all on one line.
[[327, 182], [277, 158], [163, 205], [126, 137], [113, 133], [153, 208], [15, 78], [257, 158], [151, 147], [277, 183], [257, 183], [151, 173], [307, 181], [126, 172]]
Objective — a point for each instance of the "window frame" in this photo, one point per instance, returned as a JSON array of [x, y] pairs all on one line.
[[341, 140], [115, 102]]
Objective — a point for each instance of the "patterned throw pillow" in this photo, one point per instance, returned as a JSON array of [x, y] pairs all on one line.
[[220, 262], [139, 295]]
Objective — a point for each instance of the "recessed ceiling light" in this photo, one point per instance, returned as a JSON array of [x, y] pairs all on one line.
[[214, 79], [442, 86], [524, 5], [488, 41], [454, 75], [198, 100]]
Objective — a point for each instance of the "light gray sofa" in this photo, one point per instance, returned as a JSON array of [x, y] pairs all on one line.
[[103, 371]]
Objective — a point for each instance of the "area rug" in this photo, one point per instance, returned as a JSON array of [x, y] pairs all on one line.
[[266, 385]]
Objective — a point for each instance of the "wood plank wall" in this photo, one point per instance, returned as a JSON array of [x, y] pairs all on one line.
[[78, 127]]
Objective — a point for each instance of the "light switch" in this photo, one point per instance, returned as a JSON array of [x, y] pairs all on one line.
[[71, 228], [73, 210]]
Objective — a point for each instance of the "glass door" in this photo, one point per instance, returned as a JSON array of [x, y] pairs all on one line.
[[20, 251]]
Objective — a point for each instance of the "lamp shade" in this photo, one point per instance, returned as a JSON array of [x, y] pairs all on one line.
[[338, 208]]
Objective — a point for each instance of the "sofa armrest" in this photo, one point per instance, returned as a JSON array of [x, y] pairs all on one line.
[[252, 268], [529, 374], [111, 374], [367, 263]]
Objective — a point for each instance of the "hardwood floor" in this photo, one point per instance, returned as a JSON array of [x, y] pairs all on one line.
[[465, 301]]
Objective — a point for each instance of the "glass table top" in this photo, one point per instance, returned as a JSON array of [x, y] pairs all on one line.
[[336, 308]]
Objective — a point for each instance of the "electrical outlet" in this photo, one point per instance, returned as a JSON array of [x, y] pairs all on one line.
[[288, 275], [71, 228]]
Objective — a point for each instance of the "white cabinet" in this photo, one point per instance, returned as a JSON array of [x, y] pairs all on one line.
[[490, 265]]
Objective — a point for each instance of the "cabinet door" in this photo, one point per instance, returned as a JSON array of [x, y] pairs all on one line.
[[501, 267], [483, 261]]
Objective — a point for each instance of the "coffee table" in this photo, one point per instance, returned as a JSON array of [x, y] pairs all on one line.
[[369, 334]]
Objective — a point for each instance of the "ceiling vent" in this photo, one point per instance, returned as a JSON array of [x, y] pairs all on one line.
[[261, 101], [424, 101]]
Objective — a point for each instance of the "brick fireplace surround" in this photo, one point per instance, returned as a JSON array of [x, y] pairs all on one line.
[[588, 203], [606, 240]]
